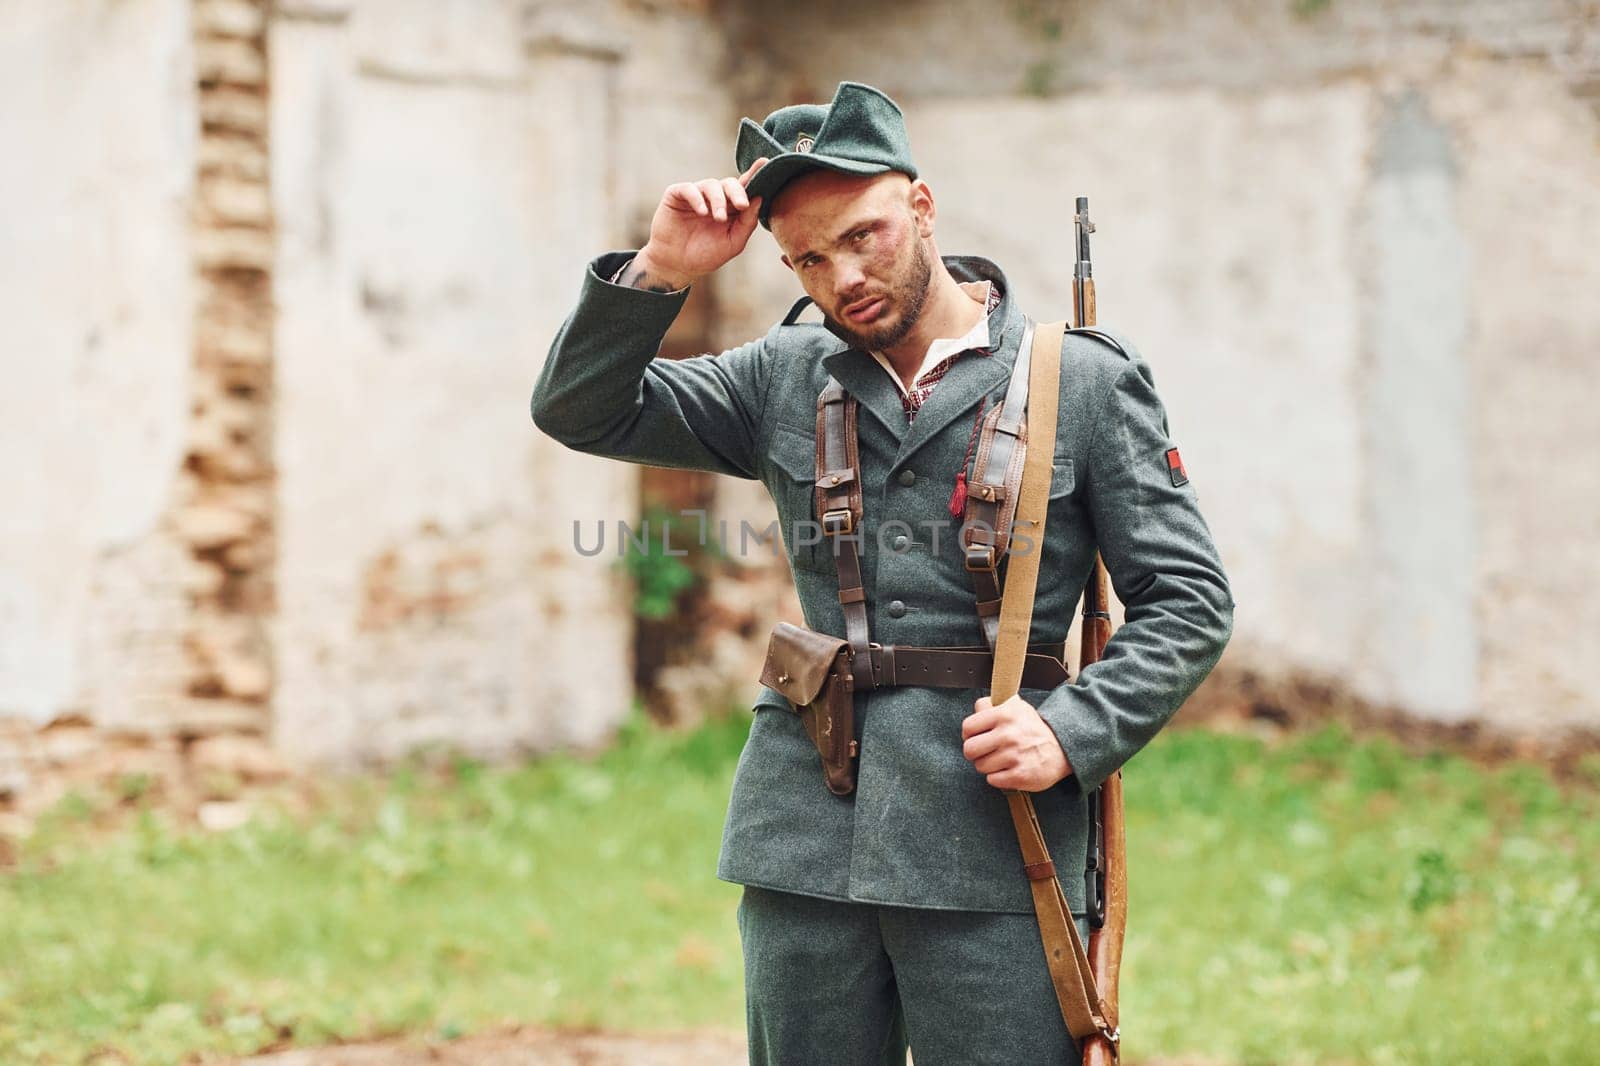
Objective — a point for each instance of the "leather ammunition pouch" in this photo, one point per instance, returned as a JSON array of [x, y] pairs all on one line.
[[812, 670]]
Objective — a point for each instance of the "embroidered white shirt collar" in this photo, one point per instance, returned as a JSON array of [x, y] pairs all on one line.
[[977, 337]]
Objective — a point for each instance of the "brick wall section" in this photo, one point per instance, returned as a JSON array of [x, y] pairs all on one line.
[[177, 684], [225, 517]]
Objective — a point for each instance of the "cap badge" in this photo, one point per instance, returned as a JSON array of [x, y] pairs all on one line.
[[805, 143]]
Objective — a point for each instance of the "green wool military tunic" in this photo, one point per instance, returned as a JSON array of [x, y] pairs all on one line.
[[923, 828]]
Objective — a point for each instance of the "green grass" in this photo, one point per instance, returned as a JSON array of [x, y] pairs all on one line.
[[578, 893], [1330, 901], [1316, 900]]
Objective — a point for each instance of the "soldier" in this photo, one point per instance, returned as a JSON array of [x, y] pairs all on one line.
[[894, 908]]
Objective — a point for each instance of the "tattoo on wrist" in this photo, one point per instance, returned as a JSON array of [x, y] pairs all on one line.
[[634, 276]]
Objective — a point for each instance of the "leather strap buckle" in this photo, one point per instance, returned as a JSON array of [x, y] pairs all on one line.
[[839, 521], [980, 557]]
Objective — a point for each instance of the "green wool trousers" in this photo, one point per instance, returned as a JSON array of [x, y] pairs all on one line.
[[853, 984]]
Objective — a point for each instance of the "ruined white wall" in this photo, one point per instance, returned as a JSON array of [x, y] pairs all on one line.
[[1417, 575], [1362, 302], [1255, 359], [442, 174], [421, 577], [1527, 155], [95, 324]]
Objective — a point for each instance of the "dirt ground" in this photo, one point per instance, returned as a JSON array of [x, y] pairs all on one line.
[[539, 1047], [528, 1047]]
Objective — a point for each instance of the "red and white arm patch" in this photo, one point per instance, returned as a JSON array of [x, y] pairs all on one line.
[[1180, 476]]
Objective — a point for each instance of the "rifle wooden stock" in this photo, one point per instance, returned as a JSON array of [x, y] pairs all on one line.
[[1083, 304], [1105, 943]]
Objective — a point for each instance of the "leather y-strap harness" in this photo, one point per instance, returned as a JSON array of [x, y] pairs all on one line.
[[992, 492], [991, 502], [839, 511], [986, 532], [838, 505]]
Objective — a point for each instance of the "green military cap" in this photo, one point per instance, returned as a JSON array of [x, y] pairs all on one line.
[[860, 132]]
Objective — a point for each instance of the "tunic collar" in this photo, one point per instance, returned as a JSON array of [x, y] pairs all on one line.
[[975, 338]]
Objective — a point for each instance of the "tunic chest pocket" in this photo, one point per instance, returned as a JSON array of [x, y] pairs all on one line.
[[793, 487]]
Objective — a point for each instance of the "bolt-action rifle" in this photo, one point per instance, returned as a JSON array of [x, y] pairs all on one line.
[[1105, 870], [1085, 990]]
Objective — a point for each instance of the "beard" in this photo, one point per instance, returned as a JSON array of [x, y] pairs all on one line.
[[907, 293]]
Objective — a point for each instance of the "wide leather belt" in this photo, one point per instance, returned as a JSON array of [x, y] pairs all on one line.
[[819, 674], [899, 664]]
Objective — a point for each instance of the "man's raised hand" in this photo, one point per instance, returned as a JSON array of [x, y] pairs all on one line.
[[697, 227]]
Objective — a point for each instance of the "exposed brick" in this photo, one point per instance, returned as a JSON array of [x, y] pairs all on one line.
[[227, 515], [229, 61], [249, 758], [220, 816], [207, 527], [58, 747], [230, 18], [236, 201], [234, 109], [239, 156], [238, 344], [214, 714], [14, 779], [236, 248], [203, 580]]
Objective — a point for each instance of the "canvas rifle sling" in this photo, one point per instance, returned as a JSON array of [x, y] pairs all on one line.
[[1080, 1002]]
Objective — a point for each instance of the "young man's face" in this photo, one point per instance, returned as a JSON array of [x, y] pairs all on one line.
[[859, 247]]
